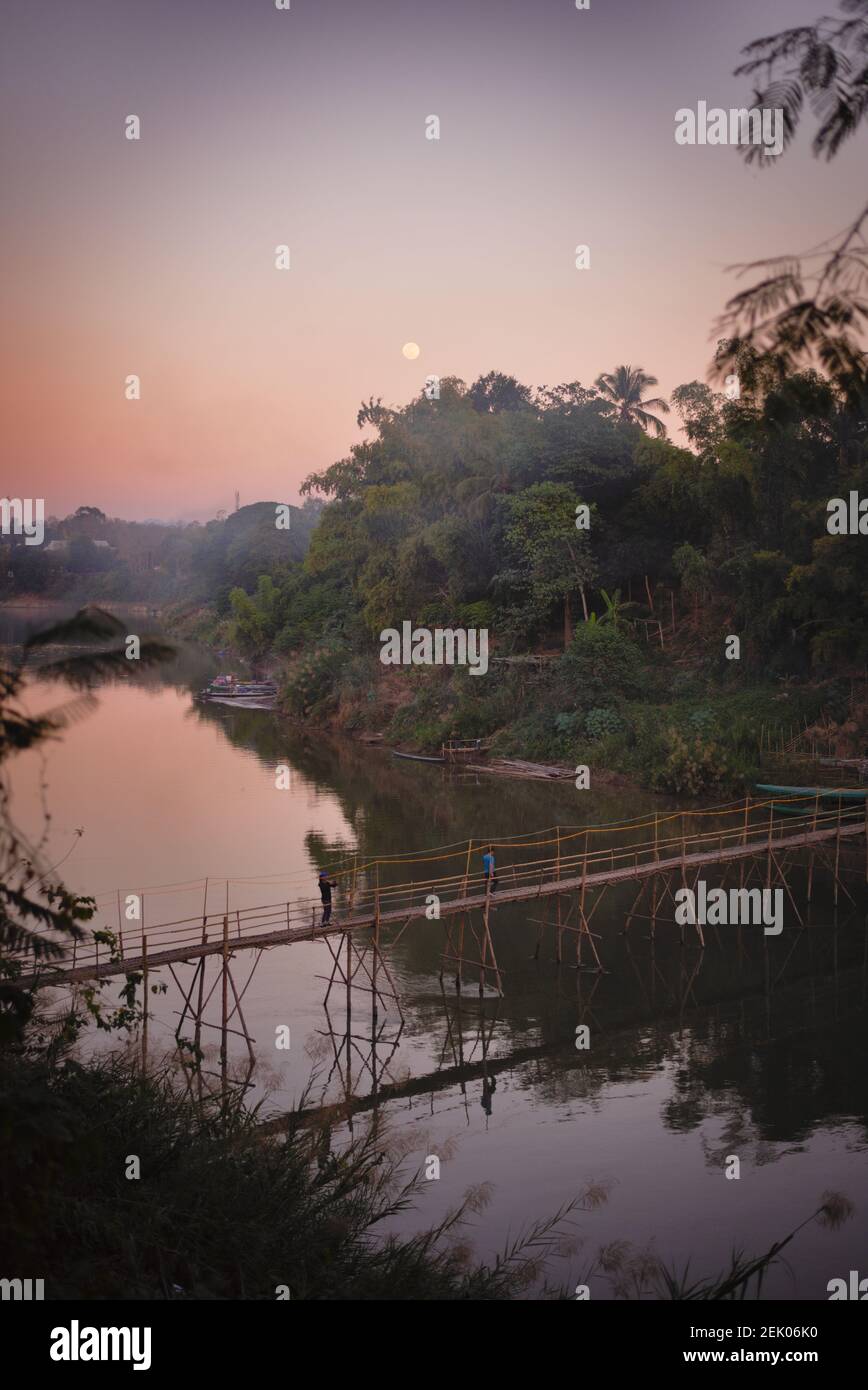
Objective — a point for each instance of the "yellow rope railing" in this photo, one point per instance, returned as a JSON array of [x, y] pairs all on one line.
[[301, 916]]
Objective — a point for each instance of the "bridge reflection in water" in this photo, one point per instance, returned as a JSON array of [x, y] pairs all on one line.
[[756, 841]]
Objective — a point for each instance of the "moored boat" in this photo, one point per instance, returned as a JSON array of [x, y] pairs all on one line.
[[811, 793], [229, 688], [416, 757]]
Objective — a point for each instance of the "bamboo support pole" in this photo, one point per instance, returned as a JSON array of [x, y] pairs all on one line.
[[485, 939], [224, 1012], [558, 952], [467, 868], [461, 922], [245, 1034], [197, 1034], [376, 948], [654, 881], [811, 850], [582, 920], [144, 1003], [683, 869], [632, 913], [349, 979]]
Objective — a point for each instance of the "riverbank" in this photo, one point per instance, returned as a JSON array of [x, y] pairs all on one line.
[[670, 721], [631, 717]]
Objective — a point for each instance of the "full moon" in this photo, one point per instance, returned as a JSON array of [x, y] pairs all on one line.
[[410, 351]]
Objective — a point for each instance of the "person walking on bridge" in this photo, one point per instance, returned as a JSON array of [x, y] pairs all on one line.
[[489, 869], [326, 885]]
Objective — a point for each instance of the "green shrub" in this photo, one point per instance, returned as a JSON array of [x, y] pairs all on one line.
[[476, 615], [693, 765], [600, 662], [568, 724], [541, 736], [441, 613], [702, 720], [601, 722], [311, 686]]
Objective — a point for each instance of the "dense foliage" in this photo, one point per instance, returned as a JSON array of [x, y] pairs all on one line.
[[551, 519], [462, 510]]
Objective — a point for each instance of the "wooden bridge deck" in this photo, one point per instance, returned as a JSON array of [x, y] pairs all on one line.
[[400, 903]]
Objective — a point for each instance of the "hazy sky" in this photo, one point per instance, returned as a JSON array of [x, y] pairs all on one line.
[[307, 127]]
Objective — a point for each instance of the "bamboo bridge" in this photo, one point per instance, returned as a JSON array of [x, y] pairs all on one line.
[[569, 869], [376, 896]]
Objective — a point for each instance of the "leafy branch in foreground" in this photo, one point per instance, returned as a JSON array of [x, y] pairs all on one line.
[[809, 306], [227, 1211], [641, 1274], [39, 917]]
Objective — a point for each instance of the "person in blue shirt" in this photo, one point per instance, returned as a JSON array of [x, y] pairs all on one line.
[[488, 868]]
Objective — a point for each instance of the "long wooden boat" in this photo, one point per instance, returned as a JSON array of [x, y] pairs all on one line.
[[416, 757], [238, 690], [456, 749], [811, 793]]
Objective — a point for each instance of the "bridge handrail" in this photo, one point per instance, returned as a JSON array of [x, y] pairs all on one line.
[[368, 899]]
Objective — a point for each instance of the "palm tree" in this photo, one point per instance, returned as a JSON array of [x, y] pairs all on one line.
[[623, 388]]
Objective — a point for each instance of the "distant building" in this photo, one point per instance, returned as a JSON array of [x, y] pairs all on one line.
[[59, 547]]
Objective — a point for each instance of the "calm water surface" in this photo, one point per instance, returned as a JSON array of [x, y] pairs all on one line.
[[755, 1048]]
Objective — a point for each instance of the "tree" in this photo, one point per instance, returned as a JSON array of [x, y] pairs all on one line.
[[701, 412], [83, 557], [693, 571], [811, 306], [495, 392], [554, 558], [623, 388]]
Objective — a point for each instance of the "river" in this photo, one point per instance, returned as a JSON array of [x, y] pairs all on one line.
[[754, 1048]]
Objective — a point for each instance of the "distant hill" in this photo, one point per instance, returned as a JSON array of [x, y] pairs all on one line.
[[89, 556], [235, 552]]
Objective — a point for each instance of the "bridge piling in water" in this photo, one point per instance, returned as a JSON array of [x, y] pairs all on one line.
[[380, 902], [649, 857]]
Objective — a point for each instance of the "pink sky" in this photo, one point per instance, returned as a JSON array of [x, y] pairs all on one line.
[[261, 127]]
